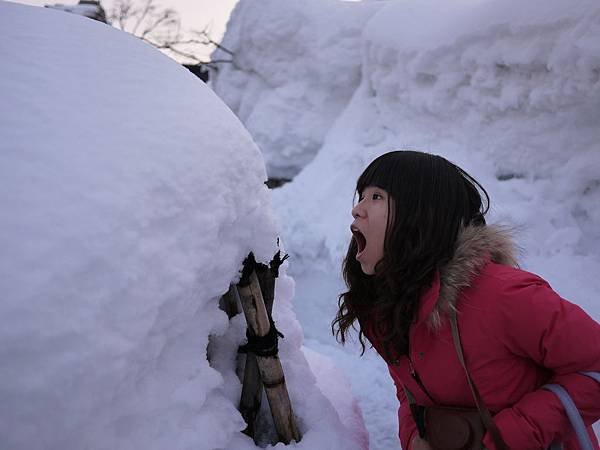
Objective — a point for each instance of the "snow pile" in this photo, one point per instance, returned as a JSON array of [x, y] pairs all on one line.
[[510, 94], [509, 91], [296, 67], [130, 196]]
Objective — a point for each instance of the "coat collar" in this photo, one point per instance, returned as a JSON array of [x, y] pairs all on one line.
[[475, 246]]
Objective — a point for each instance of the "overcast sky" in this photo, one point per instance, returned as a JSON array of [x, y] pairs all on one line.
[[195, 14]]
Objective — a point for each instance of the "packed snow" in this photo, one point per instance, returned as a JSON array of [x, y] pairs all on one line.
[[508, 90], [296, 67], [130, 196]]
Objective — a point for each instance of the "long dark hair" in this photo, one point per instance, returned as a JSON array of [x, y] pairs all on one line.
[[431, 199]]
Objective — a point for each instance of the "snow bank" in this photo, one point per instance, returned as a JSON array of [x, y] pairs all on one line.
[[130, 196], [508, 90], [296, 67]]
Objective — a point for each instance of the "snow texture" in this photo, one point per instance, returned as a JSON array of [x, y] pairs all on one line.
[[508, 90], [130, 195], [296, 67]]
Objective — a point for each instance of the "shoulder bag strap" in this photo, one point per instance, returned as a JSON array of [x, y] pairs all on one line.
[[573, 415], [417, 411], [592, 375], [484, 413], [572, 412]]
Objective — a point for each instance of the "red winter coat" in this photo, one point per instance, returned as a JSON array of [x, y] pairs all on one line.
[[517, 335]]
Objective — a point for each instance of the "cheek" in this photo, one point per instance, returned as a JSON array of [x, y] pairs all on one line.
[[382, 231]]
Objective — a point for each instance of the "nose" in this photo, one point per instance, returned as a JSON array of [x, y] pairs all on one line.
[[358, 210]]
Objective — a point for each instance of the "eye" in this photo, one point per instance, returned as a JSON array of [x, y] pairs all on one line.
[[377, 196]]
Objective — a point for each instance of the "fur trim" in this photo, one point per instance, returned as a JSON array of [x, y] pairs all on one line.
[[475, 245]]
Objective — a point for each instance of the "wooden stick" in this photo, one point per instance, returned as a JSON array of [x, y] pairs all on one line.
[[252, 384], [269, 367], [251, 394], [266, 279], [251, 397]]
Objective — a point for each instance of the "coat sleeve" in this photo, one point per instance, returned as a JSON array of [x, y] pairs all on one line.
[[536, 323], [407, 425]]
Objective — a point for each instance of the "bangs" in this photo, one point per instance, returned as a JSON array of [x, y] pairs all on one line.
[[381, 173]]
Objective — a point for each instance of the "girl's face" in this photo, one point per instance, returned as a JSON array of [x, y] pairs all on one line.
[[369, 226]]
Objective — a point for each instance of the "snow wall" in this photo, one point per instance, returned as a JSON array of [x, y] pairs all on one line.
[[130, 195], [506, 89]]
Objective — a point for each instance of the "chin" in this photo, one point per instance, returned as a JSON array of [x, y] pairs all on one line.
[[367, 270]]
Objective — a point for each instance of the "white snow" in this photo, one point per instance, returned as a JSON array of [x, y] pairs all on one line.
[[130, 195], [508, 90], [296, 67]]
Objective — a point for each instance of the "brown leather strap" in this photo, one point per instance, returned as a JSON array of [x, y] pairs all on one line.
[[486, 417]]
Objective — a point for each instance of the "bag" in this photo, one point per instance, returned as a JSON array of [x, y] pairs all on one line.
[[462, 428], [449, 428]]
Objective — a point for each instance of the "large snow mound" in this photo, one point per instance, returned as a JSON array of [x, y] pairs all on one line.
[[130, 195]]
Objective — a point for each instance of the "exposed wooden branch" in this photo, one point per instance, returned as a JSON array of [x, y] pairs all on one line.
[[251, 397], [161, 28], [252, 385], [270, 369]]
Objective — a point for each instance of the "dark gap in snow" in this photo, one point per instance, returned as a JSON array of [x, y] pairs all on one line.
[[274, 183]]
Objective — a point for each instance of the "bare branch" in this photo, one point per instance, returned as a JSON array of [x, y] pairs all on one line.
[[147, 8], [207, 40], [220, 47], [120, 14], [161, 28], [219, 61]]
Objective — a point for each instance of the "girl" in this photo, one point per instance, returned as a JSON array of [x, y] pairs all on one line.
[[421, 249]]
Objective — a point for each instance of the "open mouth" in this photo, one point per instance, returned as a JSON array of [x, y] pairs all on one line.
[[360, 239]]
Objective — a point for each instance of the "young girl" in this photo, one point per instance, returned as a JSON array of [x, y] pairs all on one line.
[[420, 249]]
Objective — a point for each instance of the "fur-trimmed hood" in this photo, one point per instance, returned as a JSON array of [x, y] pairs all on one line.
[[475, 245]]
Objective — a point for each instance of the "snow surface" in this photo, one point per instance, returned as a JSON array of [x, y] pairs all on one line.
[[296, 67], [508, 90], [130, 195]]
